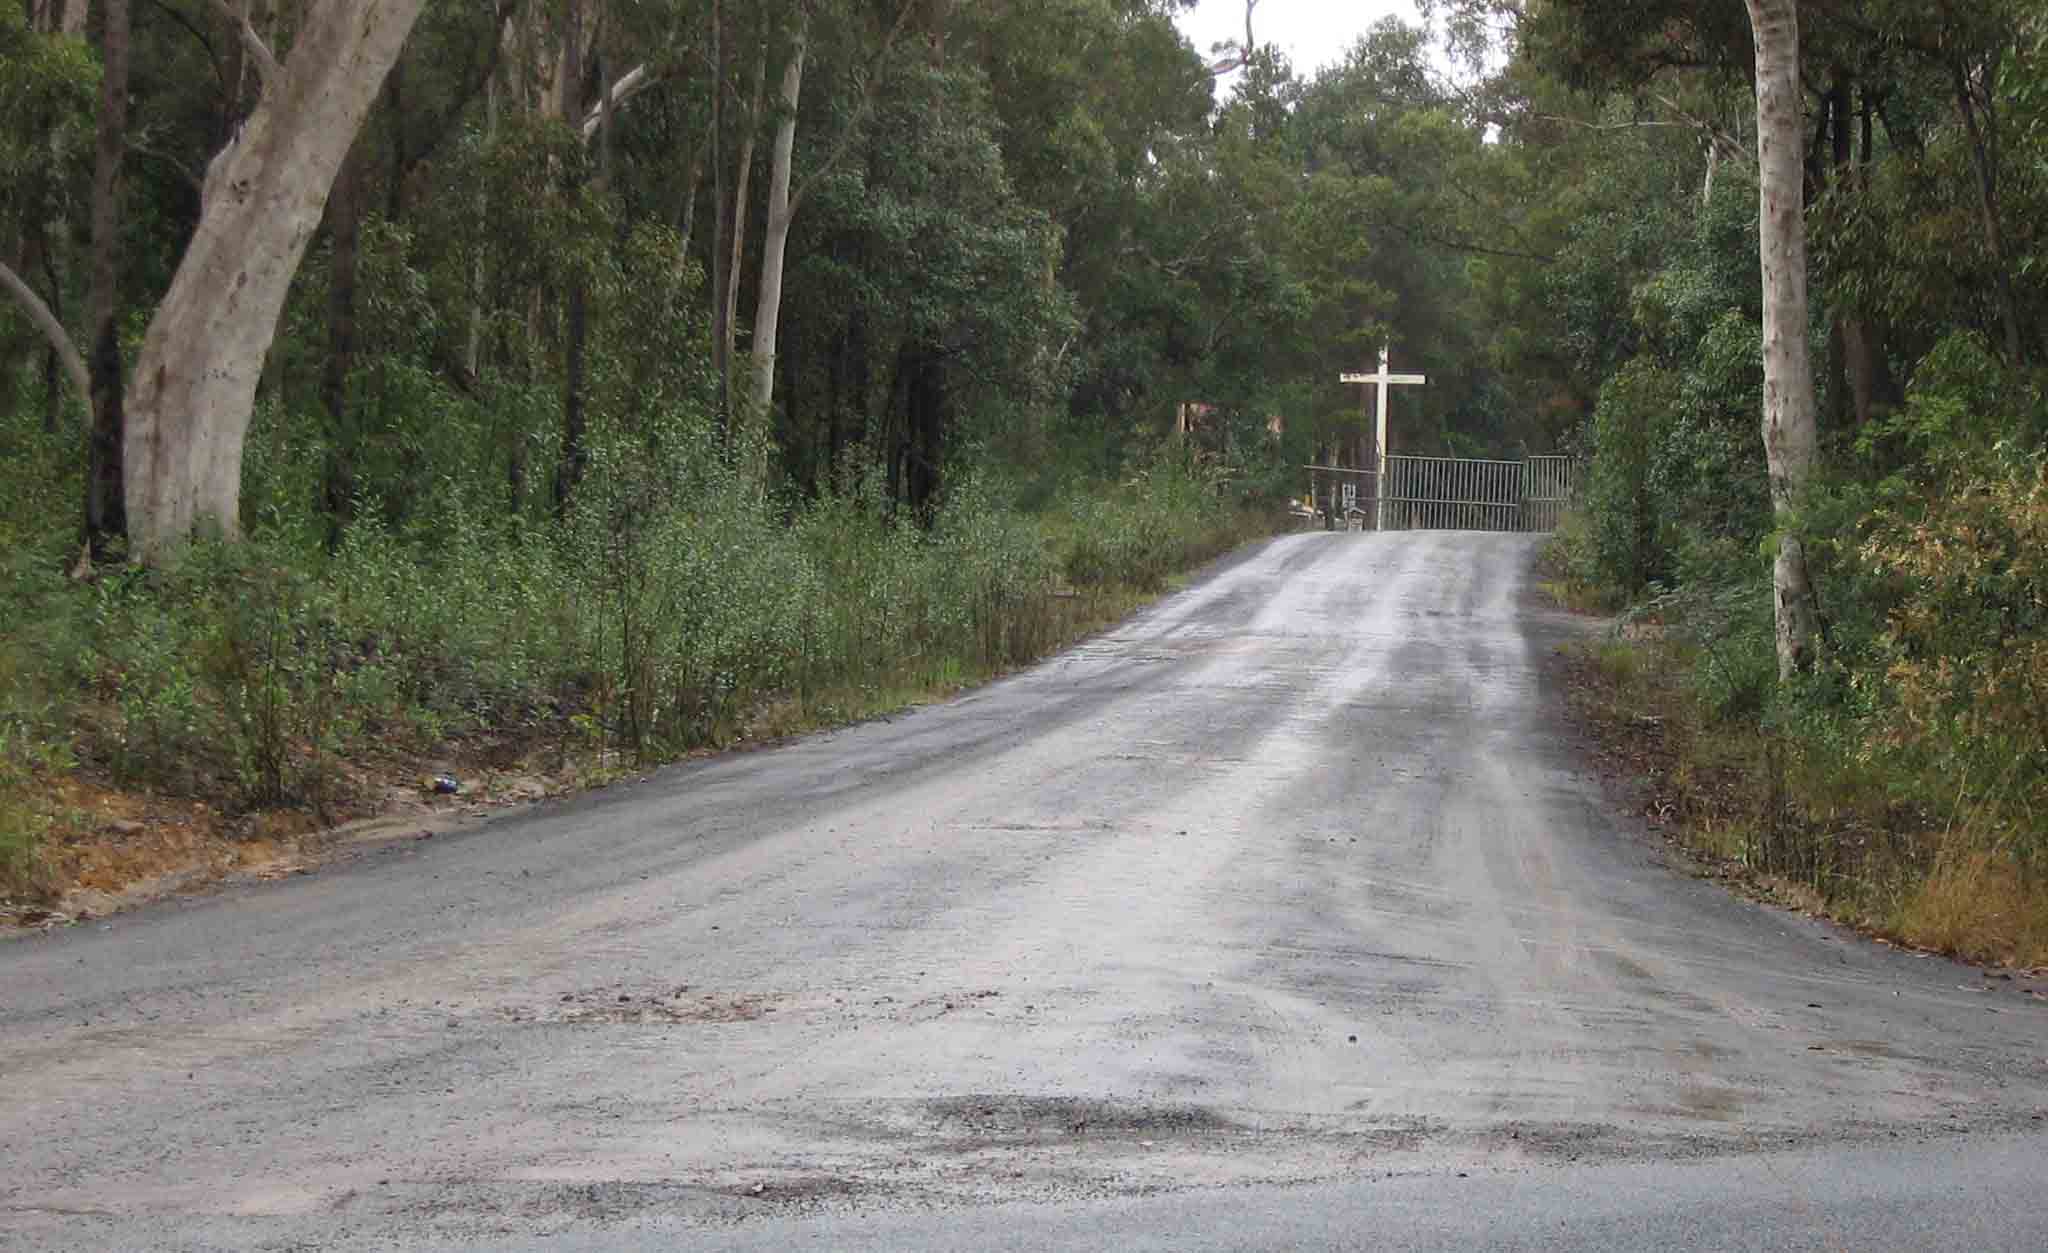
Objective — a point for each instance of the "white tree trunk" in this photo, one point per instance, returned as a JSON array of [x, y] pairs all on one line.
[[53, 330], [775, 243], [739, 199], [1790, 441], [195, 380]]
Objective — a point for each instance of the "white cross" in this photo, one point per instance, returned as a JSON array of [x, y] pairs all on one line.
[[1382, 381]]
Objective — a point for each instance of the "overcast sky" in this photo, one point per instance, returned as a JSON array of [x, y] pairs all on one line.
[[1313, 33]]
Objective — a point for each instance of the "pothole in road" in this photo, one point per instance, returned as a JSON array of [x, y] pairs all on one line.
[[1030, 1118], [641, 1007]]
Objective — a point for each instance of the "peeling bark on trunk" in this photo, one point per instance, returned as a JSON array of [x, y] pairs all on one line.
[[195, 380], [1790, 439], [775, 240], [106, 513], [741, 183]]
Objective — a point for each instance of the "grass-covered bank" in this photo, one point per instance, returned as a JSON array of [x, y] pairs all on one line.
[[293, 671], [1902, 785]]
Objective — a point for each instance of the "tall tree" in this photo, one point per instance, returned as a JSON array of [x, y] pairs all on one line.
[[1790, 441], [195, 378], [784, 200]]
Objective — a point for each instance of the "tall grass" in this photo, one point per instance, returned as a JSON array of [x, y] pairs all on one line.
[[671, 607]]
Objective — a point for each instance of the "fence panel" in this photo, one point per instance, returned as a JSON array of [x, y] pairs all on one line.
[[1546, 490], [1449, 493], [1467, 494], [1453, 494]]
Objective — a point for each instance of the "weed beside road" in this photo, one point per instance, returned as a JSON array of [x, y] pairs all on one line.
[[1807, 821], [278, 677]]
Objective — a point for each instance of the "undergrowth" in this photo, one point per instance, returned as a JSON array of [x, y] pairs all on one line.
[[1901, 784], [675, 609]]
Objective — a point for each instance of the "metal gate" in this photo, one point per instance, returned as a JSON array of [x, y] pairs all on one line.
[[1546, 491], [1465, 494]]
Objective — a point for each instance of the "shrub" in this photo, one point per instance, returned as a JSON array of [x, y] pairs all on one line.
[[1626, 548], [1964, 658]]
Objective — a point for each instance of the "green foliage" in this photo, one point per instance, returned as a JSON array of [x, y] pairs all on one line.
[[1634, 413], [48, 87], [1966, 407], [26, 762], [1165, 517], [669, 608], [1962, 663]]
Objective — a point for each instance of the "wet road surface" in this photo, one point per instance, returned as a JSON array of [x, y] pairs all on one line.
[[1294, 882]]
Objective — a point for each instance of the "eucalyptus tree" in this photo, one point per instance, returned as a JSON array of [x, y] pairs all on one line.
[[193, 386], [1791, 441]]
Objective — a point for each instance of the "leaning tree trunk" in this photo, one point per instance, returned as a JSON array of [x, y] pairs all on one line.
[[1790, 442], [775, 240], [195, 380], [739, 201]]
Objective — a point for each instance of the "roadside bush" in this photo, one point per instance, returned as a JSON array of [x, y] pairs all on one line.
[[1164, 518], [993, 577], [1964, 658], [872, 570], [1626, 548], [24, 815], [669, 608]]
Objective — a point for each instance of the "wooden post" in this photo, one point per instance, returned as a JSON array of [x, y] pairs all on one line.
[[1382, 382]]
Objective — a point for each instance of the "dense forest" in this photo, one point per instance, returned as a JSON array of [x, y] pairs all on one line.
[[384, 372]]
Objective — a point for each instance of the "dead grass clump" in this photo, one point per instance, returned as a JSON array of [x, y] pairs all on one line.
[[1980, 906], [1798, 823]]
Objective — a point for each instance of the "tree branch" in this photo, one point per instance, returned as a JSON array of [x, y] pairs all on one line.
[[1730, 146], [1609, 127], [1420, 236], [205, 40], [629, 85], [259, 52], [1234, 58], [52, 329]]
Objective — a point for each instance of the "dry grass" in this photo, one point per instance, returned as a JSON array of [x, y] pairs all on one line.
[[1979, 906], [1793, 826]]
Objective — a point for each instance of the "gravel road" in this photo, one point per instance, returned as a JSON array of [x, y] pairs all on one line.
[[1295, 881]]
